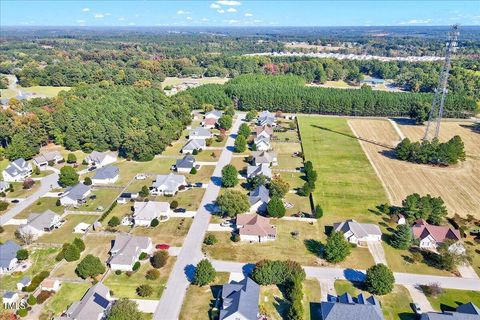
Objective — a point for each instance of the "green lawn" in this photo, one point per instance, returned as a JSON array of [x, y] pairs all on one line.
[[311, 299], [173, 81], [347, 185], [40, 206], [3, 164], [48, 91], [65, 232], [8, 233], [60, 301], [19, 192], [124, 286], [42, 259], [172, 231], [450, 299], [395, 305], [189, 199], [272, 303], [199, 301], [104, 198]]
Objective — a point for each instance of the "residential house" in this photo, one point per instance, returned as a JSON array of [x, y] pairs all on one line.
[[466, 311], [4, 186], [266, 118], [194, 144], [253, 227], [17, 170], [168, 184], [262, 144], [345, 307], [42, 161], [23, 283], [82, 227], [100, 159], [358, 233], [186, 164], [8, 256], [240, 300], [431, 236], [50, 284], [10, 298], [200, 133], [265, 131], [39, 223], [261, 157], [214, 114], [259, 198], [127, 196], [126, 251], [76, 195], [399, 218], [106, 175], [94, 305], [262, 169], [145, 212], [209, 123]]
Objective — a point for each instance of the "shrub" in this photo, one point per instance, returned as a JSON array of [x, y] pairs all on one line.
[[432, 290], [3, 205], [87, 181], [195, 152], [60, 256], [229, 176], [275, 208], [144, 290], [37, 279], [32, 300], [114, 222], [58, 203], [159, 259], [22, 254], [90, 266], [235, 237], [210, 239], [42, 296], [144, 192], [129, 273], [152, 274], [268, 272], [337, 248], [154, 223], [136, 266], [208, 142], [125, 309], [379, 280], [118, 272], [193, 171], [106, 213], [318, 211], [77, 242], [71, 158], [174, 204], [143, 256], [71, 253], [22, 312], [28, 184], [204, 273]]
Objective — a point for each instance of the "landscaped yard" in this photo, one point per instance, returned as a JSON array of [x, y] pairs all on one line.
[[273, 303], [20, 192], [189, 199], [450, 299], [311, 299], [103, 199], [173, 81], [172, 231], [199, 301], [395, 305], [60, 301], [124, 286], [40, 206], [42, 259], [65, 232], [8, 233]]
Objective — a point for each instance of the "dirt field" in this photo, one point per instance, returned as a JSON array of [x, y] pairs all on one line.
[[459, 186]]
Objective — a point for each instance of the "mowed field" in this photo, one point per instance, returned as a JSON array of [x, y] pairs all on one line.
[[459, 185]]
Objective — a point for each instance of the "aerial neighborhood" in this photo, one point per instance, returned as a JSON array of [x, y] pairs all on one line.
[[241, 172]]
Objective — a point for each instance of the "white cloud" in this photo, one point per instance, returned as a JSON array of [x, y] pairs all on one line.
[[248, 14], [257, 21], [81, 21], [416, 21], [108, 14], [215, 6], [189, 18], [121, 19], [221, 11], [86, 9], [232, 21], [229, 2], [205, 20], [99, 15], [231, 10], [183, 12], [132, 24]]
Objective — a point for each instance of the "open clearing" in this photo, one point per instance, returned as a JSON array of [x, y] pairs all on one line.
[[174, 81], [459, 186]]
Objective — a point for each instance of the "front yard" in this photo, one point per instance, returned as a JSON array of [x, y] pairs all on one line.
[[60, 301], [450, 299], [65, 232], [172, 231]]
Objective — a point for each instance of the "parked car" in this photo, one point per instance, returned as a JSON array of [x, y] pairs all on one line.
[[140, 176], [92, 168], [227, 223], [15, 201], [416, 308], [180, 210], [162, 246]]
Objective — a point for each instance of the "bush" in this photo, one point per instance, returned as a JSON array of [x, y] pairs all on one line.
[[379, 280], [22, 312], [144, 290], [250, 115], [144, 192], [32, 300], [71, 158], [154, 223], [193, 171], [204, 273], [337, 248], [60, 256], [77, 242], [235, 237], [118, 272], [432, 290], [43, 296], [229, 176], [143, 256], [114, 222], [275, 208], [106, 213], [58, 203], [37, 279], [210, 239], [3, 205], [22, 254], [90, 266], [174, 204], [28, 184], [125, 309], [269, 272], [195, 152], [152, 274], [318, 211], [136, 266], [71, 253], [87, 181], [159, 259]]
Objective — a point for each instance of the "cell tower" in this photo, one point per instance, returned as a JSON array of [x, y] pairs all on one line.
[[435, 115]]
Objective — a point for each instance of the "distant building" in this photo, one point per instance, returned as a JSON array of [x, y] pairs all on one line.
[[50, 284], [253, 227], [106, 175], [42, 160], [262, 169], [101, 159], [167, 184], [264, 157], [186, 164], [358, 233], [145, 212], [76, 195], [8, 256], [39, 223], [194, 144], [266, 118], [240, 300], [126, 251], [466, 311], [431, 236], [259, 198], [345, 307], [17, 170], [200, 133]]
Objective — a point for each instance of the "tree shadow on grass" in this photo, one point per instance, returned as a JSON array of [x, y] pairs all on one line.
[[314, 246], [354, 275]]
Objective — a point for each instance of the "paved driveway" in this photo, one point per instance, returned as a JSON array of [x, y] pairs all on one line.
[[327, 287], [419, 298], [177, 284], [378, 254]]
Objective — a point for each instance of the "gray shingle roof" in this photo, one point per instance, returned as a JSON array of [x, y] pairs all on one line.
[[25, 281], [43, 220], [4, 185], [200, 131], [241, 298], [77, 192], [195, 144], [108, 172], [98, 157], [127, 248], [47, 156], [187, 162], [263, 156], [93, 304], [170, 181], [467, 311], [360, 230], [259, 194], [347, 308], [8, 251], [214, 114], [265, 117], [262, 169], [149, 210], [17, 167]]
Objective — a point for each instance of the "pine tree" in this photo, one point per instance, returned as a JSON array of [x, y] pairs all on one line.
[[402, 237]]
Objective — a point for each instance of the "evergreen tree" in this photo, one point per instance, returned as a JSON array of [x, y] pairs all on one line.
[[337, 248], [275, 208], [402, 237], [379, 280], [240, 144], [204, 273], [229, 176]]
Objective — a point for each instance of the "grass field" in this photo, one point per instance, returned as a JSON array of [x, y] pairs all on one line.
[[19, 192], [395, 305], [65, 232], [347, 185], [172, 231], [40, 206], [41, 91], [199, 301], [311, 299], [60, 301], [173, 81], [450, 299]]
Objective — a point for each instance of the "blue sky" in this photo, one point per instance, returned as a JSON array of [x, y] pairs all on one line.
[[237, 13]]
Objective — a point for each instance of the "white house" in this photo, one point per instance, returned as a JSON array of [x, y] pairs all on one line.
[[17, 170], [186, 164], [262, 144], [358, 233], [200, 133], [50, 284], [23, 283], [145, 212], [8, 256], [430, 236], [126, 251], [106, 175], [259, 199], [75, 195], [10, 297], [42, 160], [82, 227], [255, 228], [101, 159], [168, 184], [262, 169], [214, 114], [4, 186], [261, 157], [39, 223], [194, 144]]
